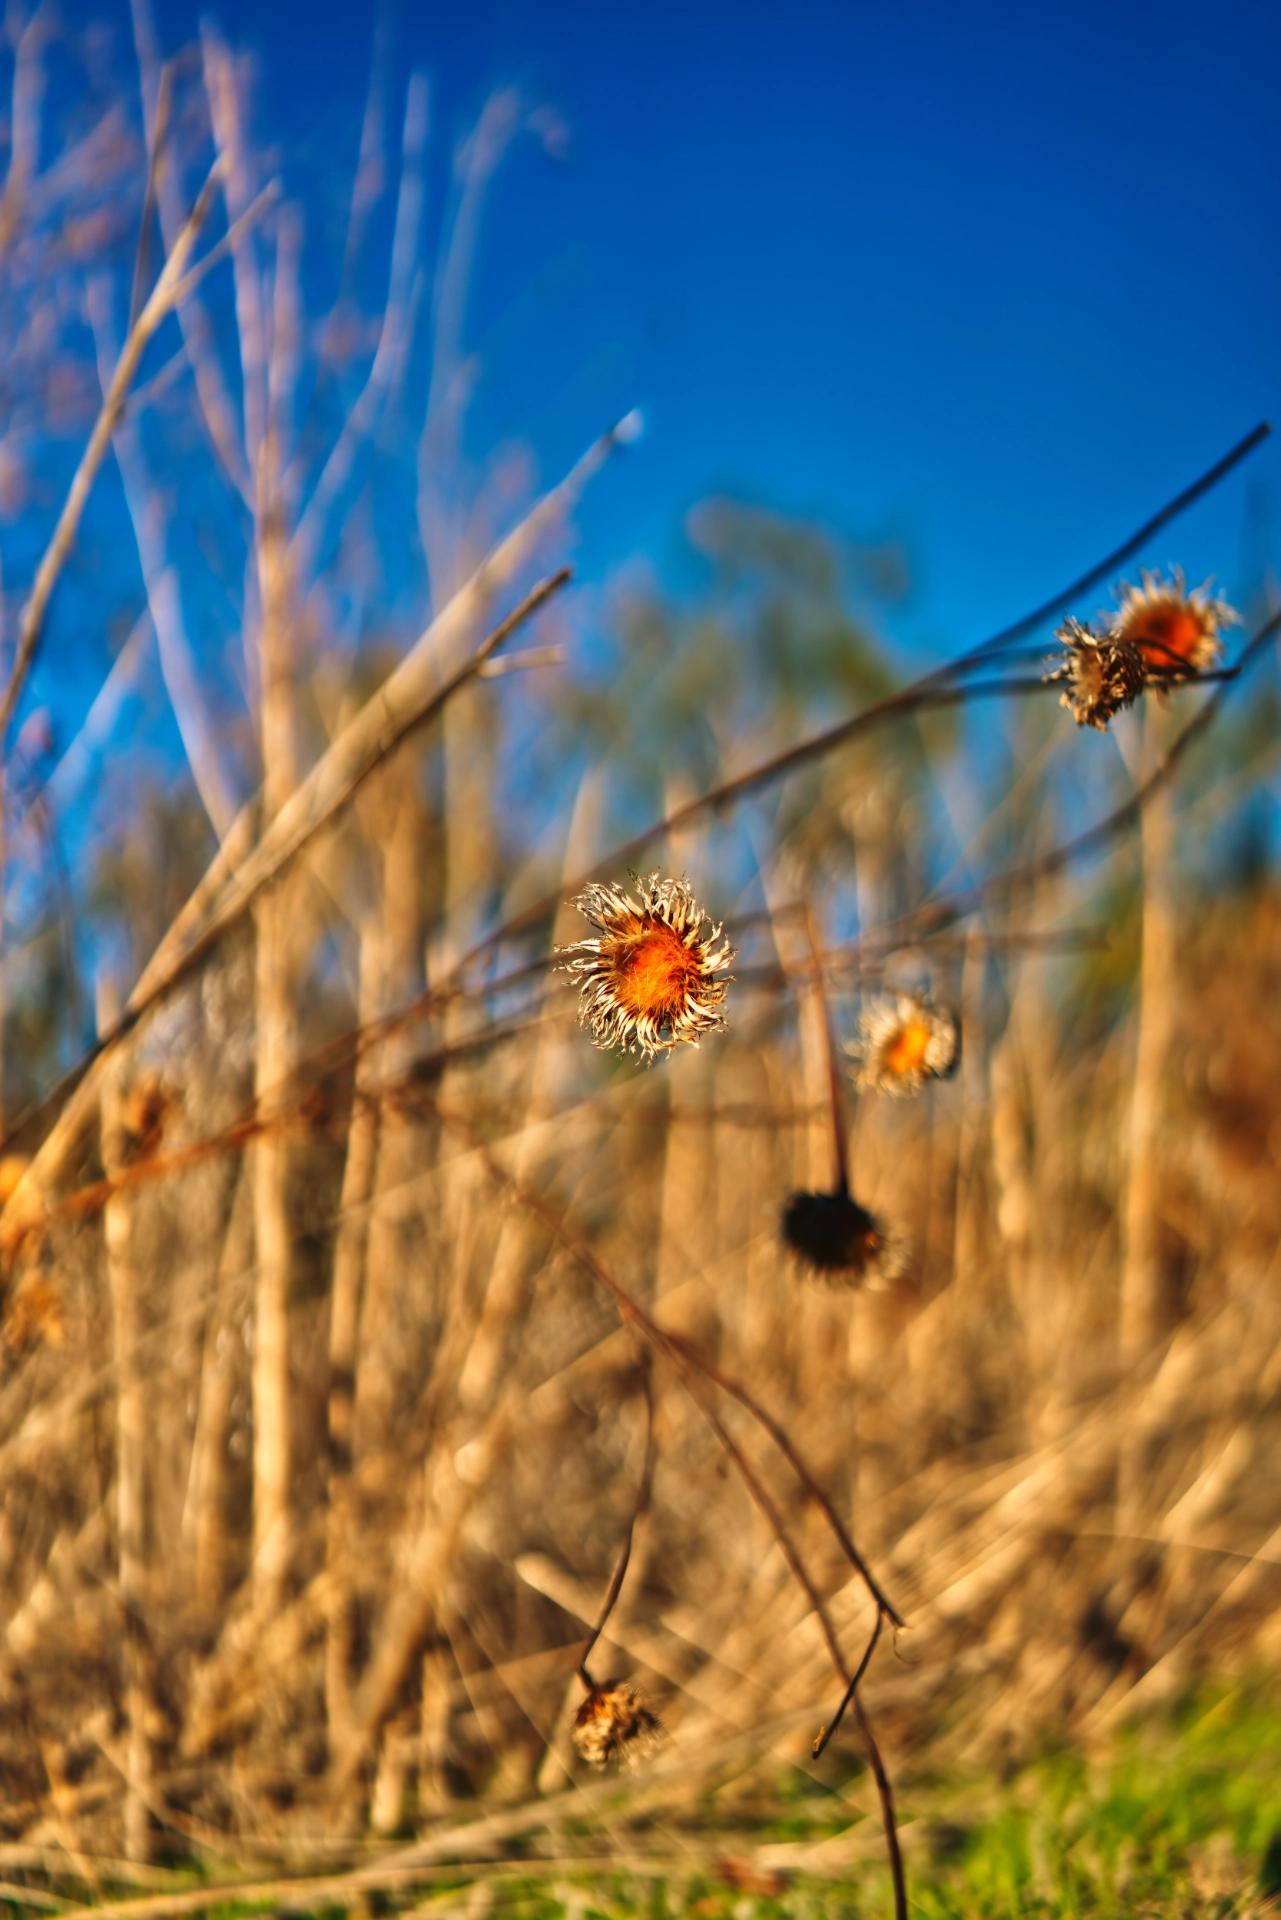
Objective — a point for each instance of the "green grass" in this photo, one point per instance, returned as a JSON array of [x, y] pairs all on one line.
[[1181, 1818]]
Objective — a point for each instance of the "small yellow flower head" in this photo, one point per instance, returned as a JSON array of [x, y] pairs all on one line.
[[903, 1040], [651, 980], [614, 1723], [1176, 632], [833, 1239], [1102, 674]]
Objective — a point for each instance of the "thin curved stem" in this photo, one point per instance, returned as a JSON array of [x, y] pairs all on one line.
[[640, 1505]]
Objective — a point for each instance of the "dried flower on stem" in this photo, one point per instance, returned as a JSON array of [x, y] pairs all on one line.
[[614, 1723], [834, 1239], [903, 1041], [1102, 674], [829, 1235], [650, 981], [1176, 632]]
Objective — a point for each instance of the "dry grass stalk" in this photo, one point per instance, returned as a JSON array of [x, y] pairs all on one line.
[[344, 1324], [275, 1056], [206, 1514], [132, 1545], [160, 303], [164, 601]]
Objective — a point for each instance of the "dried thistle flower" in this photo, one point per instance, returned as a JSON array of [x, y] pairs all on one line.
[[649, 982], [834, 1239], [903, 1040], [1176, 632], [1103, 674], [614, 1723]]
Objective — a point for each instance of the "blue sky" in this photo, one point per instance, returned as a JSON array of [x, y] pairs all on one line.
[[995, 279]]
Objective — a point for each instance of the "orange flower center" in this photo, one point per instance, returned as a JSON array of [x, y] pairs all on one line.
[[1167, 633], [656, 973], [905, 1053]]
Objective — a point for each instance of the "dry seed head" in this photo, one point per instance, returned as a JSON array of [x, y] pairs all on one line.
[[614, 1723], [832, 1238], [1176, 632], [1102, 674], [651, 980], [903, 1040]]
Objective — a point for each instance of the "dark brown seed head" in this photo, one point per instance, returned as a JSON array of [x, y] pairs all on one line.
[[834, 1239]]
